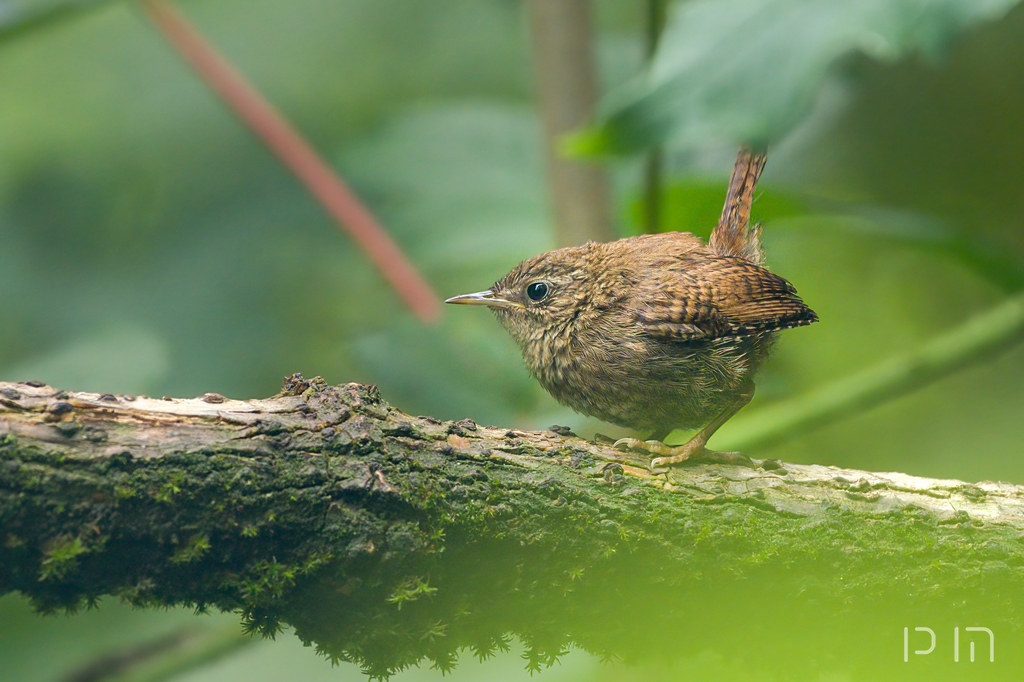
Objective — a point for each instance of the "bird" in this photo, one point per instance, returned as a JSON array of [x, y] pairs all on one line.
[[654, 332]]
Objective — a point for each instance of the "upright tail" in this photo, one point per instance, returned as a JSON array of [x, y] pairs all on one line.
[[734, 235]]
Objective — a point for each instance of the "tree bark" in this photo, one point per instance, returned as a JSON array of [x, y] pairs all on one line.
[[385, 538]]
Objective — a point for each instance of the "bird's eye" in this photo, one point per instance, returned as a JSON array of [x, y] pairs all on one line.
[[537, 291]]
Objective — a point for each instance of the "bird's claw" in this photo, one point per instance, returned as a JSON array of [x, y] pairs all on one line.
[[625, 444], [675, 454], [654, 447], [668, 454], [672, 459]]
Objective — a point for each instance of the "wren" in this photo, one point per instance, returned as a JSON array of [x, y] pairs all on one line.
[[655, 332]]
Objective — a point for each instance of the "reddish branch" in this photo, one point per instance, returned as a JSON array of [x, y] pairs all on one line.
[[293, 150]]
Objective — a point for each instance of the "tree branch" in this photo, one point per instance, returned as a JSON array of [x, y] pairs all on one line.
[[386, 538]]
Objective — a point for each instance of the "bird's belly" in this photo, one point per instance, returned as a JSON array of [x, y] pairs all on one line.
[[654, 387]]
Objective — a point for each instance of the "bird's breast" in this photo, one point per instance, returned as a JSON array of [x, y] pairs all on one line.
[[576, 362]]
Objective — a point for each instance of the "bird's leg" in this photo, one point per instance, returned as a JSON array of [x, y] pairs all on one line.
[[695, 447]]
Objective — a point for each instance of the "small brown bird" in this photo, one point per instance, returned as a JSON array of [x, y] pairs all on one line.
[[655, 332]]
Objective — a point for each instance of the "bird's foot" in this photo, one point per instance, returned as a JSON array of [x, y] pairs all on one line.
[[692, 450], [667, 454]]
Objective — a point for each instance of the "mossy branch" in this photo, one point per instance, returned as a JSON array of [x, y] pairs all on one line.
[[386, 538]]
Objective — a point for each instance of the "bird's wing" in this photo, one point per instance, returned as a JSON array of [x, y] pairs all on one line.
[[716, 296]]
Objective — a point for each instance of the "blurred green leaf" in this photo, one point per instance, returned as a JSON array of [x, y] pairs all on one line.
[[21, 17], [749, 70]]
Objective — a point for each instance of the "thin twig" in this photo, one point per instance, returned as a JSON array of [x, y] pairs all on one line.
[[974, 341], [293, 150], [165, 657]]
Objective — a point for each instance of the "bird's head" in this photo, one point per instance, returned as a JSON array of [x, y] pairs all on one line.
[[542, 297]]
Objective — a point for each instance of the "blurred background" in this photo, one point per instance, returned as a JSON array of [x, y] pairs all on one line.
[[151, 244]]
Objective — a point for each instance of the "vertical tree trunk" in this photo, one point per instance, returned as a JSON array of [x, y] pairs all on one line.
[[567, 90], [656, 12]]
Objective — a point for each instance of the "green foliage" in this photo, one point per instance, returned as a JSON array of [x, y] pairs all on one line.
[[750, 70]]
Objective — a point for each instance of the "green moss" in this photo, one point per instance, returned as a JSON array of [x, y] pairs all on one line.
[[198, 546], [123, 492], [411, 590], [268, 579], [170, 487], [61, 558]]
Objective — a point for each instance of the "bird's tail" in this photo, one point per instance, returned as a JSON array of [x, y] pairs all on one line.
[[734, 235]]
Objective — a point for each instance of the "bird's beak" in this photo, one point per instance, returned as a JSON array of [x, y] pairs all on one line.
[[486, 298]]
